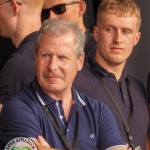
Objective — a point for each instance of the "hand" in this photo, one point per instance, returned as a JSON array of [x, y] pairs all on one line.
[[42, 144], [128, 147]]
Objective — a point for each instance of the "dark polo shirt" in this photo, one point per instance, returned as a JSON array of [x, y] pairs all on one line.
[[87, 82], [19, 70], [24, 116]]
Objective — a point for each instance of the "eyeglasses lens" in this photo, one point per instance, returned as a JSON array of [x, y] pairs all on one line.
[[45, 14], [59, 9]]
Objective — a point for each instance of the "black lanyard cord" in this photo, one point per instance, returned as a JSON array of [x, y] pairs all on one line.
[[126, 126], [60, 133]]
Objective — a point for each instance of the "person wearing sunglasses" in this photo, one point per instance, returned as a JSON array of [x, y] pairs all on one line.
[[19, 20], [72, 10]]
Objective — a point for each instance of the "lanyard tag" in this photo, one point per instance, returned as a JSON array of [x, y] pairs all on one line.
[[138, 147]]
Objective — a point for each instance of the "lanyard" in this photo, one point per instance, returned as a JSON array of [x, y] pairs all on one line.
[[127, 126], [57, 128]]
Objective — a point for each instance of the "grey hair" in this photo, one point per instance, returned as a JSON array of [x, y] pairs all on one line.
[[59, 27]]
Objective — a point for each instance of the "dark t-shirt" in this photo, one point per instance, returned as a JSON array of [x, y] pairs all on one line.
[[6, 49], [19, 70]]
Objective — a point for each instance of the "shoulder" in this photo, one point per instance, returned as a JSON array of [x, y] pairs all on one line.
[[85, 73], [22, 107], [21, 116], [96, 106], [23, 101], [85, 80], [102, 118], [135, 83], [90, 45]]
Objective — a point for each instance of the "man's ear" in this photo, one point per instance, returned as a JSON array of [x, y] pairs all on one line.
[[137, 38], [81, 61], [15, 7], [95, 32], [82, 7]]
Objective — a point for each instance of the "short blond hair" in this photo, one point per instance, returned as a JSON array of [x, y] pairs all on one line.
[[120, 8]]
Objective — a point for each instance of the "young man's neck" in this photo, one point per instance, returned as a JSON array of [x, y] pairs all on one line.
[[115, 69]]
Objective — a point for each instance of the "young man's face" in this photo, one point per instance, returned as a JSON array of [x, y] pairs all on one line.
[[56, 63], [63, 10], [115, 37]]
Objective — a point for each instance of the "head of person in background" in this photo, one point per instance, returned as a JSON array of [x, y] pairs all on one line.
[[20, 21], [117, 32], [72, 10], [16, 18]]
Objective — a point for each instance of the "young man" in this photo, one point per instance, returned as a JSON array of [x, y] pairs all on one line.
[[19, 20], [103, 77], [50, 106], [73, 11]]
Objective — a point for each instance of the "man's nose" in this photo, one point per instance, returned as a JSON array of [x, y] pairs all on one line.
[[53, 65], [117, 37]]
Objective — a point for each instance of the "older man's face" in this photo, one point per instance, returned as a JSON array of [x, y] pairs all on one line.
[[66, 9], [57, 63]]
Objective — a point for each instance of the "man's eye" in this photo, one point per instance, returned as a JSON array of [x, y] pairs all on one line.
[[109, 30], [126, 31], [62, 57], [45, 56]]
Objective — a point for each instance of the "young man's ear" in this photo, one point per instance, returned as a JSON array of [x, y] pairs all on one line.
[[82, 7], [137, 38]]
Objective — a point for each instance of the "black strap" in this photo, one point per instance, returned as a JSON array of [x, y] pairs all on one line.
[[61, 134], [126, 126]]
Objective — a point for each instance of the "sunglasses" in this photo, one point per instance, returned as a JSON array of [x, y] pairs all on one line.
[[57, 10]]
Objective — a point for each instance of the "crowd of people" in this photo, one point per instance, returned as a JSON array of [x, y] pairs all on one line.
[[65, 87]]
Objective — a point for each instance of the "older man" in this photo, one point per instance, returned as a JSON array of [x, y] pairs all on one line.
[[50, 107]]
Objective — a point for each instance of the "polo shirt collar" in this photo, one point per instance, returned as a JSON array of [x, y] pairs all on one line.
[[49, 100], [92, 64]]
